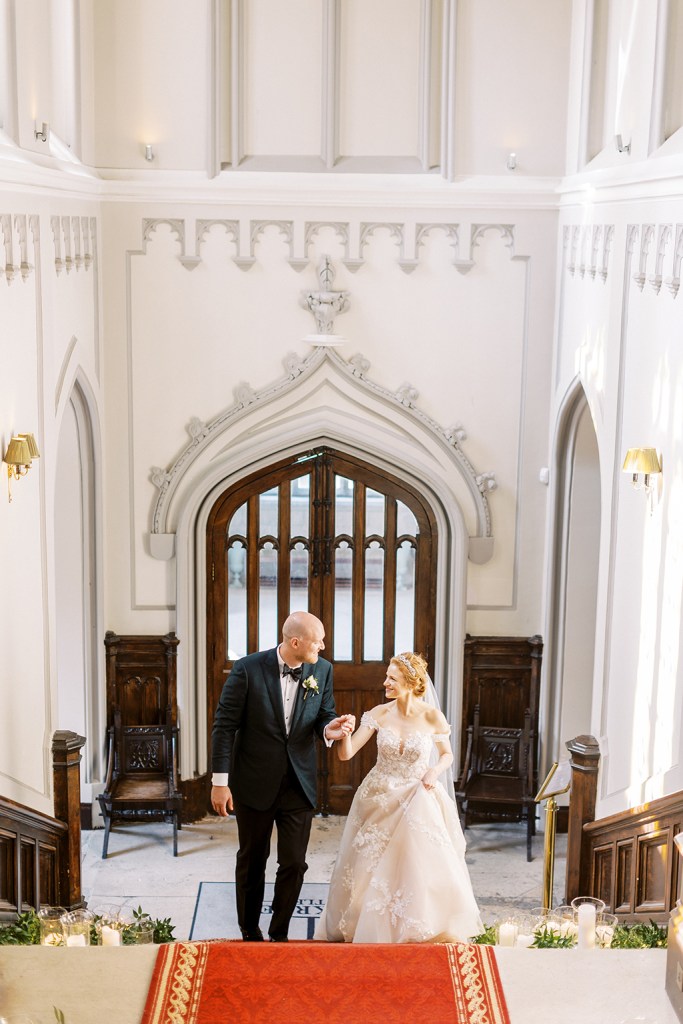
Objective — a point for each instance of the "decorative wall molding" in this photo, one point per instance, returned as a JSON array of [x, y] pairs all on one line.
[[663, 236], [228, 73], [409, 240], [674, 282], [589, 247], [74, 242], [646, 236], [297, 371], [15, 242]]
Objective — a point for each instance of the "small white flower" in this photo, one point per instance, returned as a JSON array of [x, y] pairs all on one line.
[[310, 685]]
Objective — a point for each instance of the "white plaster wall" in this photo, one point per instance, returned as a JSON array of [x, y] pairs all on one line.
[[49, 331], [619, 315], [467, 342], [512, 59]]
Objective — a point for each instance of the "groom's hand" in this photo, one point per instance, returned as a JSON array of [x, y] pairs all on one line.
[[221, 800], [340, 727]]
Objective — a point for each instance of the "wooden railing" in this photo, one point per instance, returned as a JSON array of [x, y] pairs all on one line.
[[629, 859], [40, 856]]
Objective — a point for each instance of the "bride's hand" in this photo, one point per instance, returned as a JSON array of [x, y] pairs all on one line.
[[429, 779]]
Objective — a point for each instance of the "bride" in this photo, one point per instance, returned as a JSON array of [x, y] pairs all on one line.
[[400, 875]]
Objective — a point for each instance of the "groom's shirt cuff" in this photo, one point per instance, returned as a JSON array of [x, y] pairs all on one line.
[[328, 743], [219, 779]]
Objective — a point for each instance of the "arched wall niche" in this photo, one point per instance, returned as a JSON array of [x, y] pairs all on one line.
[[319, 404], [77, 410], [574, 414]]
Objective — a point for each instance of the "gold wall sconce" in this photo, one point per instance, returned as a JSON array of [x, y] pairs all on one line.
[[21, 451], [643, 464]]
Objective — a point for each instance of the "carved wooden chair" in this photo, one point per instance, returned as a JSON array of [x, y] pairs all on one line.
[[142, 777], [497, 778]]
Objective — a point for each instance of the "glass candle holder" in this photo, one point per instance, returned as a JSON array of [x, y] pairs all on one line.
[[51, 930], [141, 933], [525, 930], [604, 929], [77, 926], [592, 901], [567, 918], [109, 927]]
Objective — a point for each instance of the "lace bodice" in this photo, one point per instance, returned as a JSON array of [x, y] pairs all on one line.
[[400, 758]]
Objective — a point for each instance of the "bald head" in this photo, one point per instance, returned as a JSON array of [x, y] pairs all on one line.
[[303, 637], [301, 624]]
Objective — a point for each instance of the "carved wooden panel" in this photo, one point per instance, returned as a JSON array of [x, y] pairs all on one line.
[[646, 879], [141, 678], [603, 864], [32, 846], [501, 675], [652, 889], [8, 872], [624, 879]]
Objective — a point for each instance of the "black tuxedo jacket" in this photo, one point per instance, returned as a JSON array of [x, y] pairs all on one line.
[[249, 739]]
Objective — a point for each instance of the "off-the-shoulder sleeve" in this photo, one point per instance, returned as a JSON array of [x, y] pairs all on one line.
[[369, 721], [442, 735]]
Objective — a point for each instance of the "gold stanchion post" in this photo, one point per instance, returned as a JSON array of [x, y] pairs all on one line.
[[551, 824]]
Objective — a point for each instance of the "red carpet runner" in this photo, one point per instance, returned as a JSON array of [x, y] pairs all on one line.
[[308, 982]]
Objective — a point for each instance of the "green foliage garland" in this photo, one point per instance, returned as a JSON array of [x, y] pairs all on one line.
[[25, 931]]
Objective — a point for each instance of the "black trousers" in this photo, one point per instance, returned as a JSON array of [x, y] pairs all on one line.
[[292, 814]]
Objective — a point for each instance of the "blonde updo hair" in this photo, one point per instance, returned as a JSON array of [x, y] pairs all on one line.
[[413, 668]]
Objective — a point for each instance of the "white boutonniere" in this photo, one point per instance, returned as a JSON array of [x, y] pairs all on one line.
[[310, 685]]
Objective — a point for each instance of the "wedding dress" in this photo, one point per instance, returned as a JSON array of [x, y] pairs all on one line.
[[400, 874]]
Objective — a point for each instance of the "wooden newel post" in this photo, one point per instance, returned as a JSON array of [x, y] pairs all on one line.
[[584, 756], [66, 773]]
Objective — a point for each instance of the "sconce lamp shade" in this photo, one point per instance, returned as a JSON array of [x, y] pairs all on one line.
[[642, 460], [32, 445], [18, 452]]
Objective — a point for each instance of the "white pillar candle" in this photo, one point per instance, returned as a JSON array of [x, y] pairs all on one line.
[[507, 933], [586, 922], [75, 940], [110, 936], [524, 941]]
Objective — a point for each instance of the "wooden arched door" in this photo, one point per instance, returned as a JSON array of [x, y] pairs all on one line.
[[327, 533]]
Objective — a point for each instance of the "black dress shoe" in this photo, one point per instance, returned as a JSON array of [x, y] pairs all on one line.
[[278, 938], [256, 936]]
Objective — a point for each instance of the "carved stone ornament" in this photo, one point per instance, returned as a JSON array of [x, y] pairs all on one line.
[[325, 304]]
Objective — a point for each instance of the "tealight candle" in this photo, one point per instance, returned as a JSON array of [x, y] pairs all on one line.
[[110, 936]]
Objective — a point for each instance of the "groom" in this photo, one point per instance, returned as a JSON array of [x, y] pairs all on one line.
[[272, 706]]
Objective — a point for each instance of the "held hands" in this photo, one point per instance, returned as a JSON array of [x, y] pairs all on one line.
[[221, 800], [429, 778], [340, 727]]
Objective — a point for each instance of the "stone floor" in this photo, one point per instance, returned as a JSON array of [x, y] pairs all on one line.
[[141, 870]]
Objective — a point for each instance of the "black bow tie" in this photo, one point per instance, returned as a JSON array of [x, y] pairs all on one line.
[[295, 673]]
